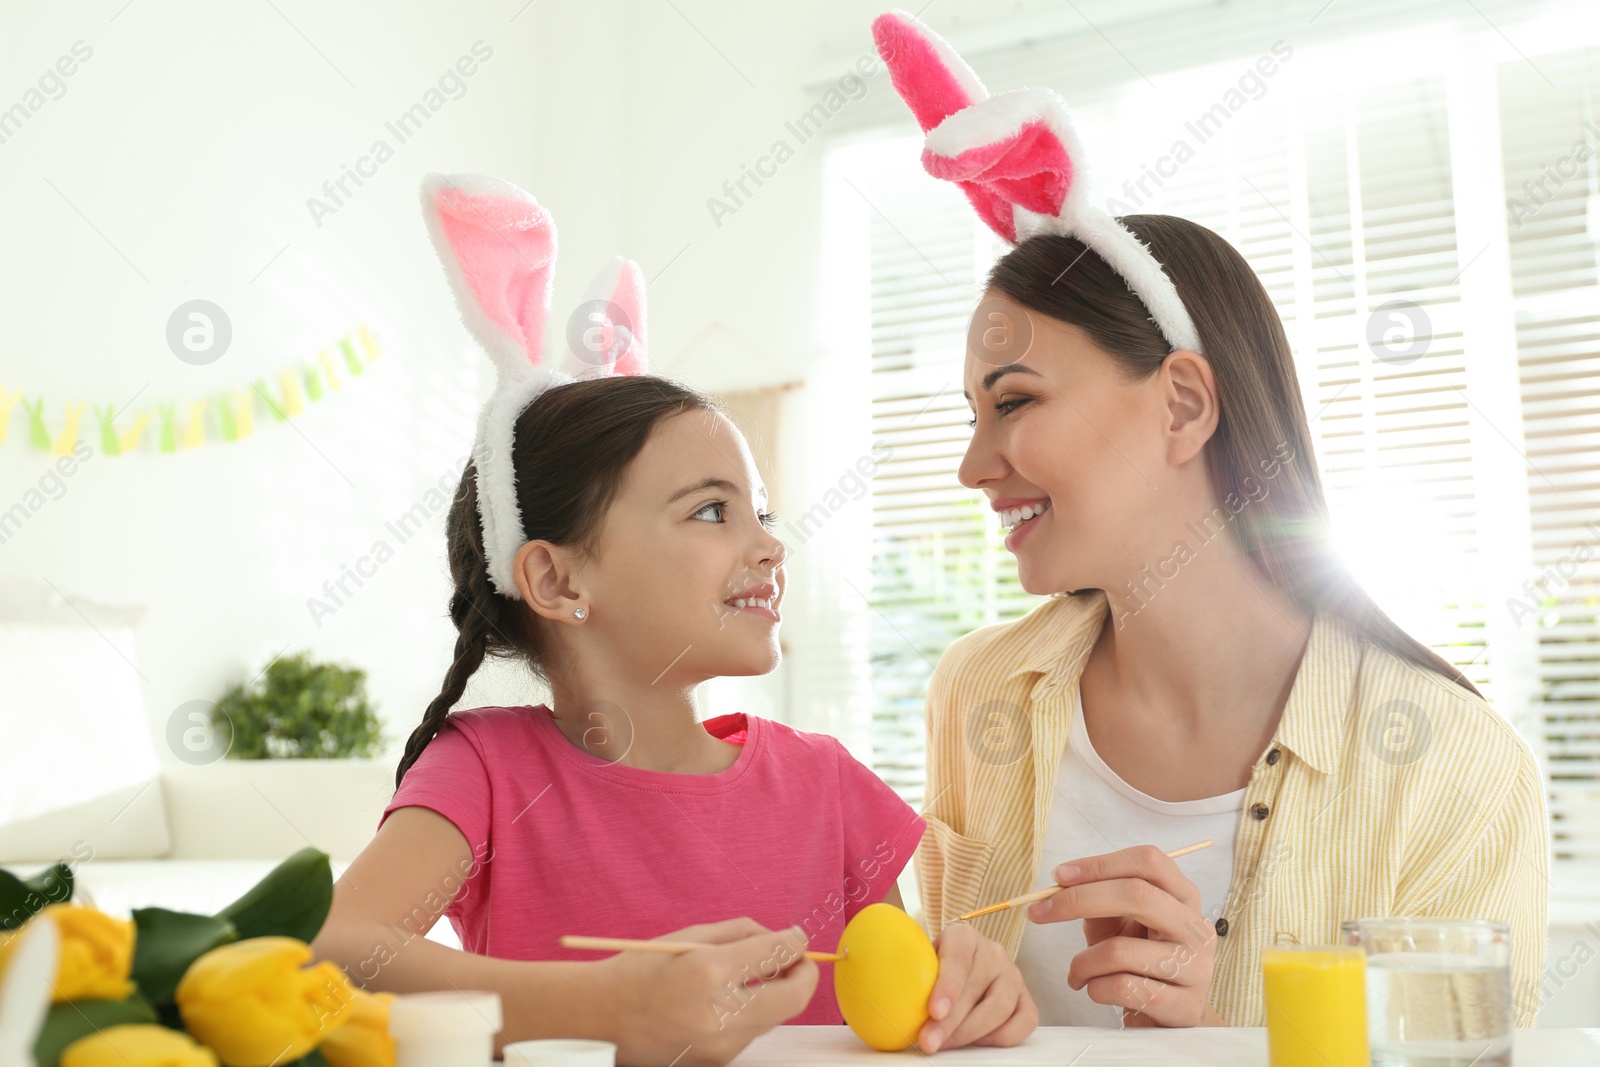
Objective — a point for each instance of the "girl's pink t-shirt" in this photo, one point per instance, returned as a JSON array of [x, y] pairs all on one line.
[[797, 831]]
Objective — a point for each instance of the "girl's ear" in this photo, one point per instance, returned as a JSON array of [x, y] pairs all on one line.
[[498, 247], [544, 580], [607, 333]]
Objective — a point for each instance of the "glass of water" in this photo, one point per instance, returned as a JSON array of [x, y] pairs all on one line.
[[1438, 991]]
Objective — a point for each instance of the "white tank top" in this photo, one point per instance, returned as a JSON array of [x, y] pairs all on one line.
[[1093, 812]]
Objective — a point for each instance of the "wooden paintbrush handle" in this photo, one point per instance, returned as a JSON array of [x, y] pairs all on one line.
[[1050, 891], [623, 944]]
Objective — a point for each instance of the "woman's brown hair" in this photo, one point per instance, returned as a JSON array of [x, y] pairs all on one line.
[[1286, 532], [572, 445]]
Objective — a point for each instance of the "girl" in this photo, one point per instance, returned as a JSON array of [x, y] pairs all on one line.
[[611, 533], [1204, 656]]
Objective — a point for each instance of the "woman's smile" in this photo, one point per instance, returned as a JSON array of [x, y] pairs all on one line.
[[1019, 516]]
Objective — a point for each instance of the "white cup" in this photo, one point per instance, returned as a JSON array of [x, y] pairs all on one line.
[[560, 1052]]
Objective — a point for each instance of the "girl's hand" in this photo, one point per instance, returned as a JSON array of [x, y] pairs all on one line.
[[678, 1010], [979, 997], [1150, 949]]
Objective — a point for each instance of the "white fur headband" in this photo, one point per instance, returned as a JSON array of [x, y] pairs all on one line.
[[498, 247]]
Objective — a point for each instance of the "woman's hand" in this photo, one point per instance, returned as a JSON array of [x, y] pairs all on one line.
[[979, 997], [679, 1009], [1150, 949]]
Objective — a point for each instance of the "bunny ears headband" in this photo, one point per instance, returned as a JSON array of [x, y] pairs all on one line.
[[1017, 157], [498, 247]]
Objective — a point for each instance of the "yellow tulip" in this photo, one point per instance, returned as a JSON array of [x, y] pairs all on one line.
[[9, 939], [96, 953], [137, 1045], [363, 1041], [253, 1003]]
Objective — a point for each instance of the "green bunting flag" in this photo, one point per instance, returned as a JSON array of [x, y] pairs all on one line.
[[181, 425]]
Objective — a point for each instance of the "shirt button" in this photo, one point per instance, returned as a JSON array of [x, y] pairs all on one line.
[[1259, 811], [1222, 927], [1272, 757]]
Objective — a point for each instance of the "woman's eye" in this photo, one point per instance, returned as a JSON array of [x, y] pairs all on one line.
[[717, 505], [1005, 407]]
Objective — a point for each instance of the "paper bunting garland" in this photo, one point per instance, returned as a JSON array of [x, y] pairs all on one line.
[[234, 409]]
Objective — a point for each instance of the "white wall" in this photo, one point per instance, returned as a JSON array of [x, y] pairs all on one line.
[[177, 164]]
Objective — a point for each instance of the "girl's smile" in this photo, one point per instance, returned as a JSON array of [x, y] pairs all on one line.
[[759, 601]]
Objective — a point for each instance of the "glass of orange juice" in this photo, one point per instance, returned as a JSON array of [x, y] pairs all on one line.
[[1316, 999]]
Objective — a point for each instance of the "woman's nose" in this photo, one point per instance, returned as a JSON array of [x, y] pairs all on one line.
[[980, 464]]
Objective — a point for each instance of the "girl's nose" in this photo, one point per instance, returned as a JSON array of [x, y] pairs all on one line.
[[776, 553]]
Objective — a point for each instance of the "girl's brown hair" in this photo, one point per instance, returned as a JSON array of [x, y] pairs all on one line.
[[573, 443], [1286, 532]]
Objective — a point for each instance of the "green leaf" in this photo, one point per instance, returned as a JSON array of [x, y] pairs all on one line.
[[21, 898], [167, 942], [65, 1023], [297, 708], [291, 901]]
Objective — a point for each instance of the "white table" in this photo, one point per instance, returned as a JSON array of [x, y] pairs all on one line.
[[1058, 1046]]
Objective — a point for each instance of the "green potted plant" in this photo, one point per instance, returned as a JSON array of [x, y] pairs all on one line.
[[299, 709]]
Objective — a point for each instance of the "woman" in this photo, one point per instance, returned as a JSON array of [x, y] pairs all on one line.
[[1205, 667]]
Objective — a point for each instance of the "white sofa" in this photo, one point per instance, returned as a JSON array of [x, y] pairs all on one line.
[[226, 825], [88, 786]]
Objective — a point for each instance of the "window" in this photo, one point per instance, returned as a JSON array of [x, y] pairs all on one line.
[[1552, 182], [938, 567], [1427, 227]]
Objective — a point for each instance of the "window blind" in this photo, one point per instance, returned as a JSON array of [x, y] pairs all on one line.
[[937, 570], [1553, 219]]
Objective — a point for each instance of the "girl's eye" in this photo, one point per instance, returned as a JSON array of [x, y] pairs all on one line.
[[1005, 407], [718, 505], [768, 518]]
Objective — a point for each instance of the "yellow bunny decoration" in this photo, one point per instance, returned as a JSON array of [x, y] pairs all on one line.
[[8, 400], [69, 433]]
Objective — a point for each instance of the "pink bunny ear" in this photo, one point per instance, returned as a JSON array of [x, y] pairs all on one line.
[[629, 297], [925, 70], [498, 247], [1016, 149], [607, 332], [1018, 158], [1013, 150]]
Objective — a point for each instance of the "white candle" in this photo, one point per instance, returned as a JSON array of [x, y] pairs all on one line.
[[560, 1052], [444, 1029]]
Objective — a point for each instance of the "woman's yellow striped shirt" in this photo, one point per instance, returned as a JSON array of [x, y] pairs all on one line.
[[1386, 790]]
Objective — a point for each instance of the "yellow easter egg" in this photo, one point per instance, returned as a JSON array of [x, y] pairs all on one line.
[[886, 977]]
